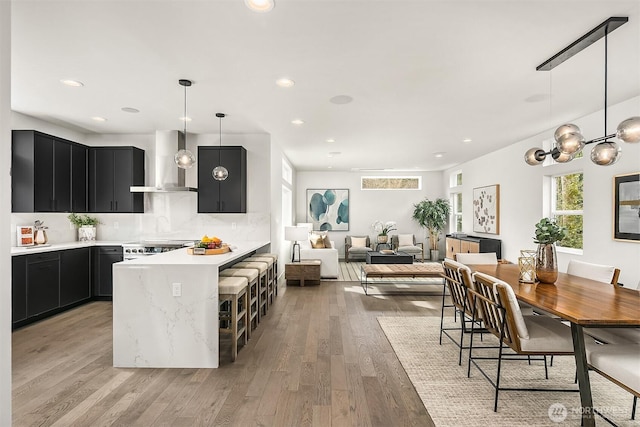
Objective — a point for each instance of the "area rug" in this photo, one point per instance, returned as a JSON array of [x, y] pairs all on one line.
[[452, 399]]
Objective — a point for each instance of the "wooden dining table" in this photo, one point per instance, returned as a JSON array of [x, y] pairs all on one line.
[[584, 303]]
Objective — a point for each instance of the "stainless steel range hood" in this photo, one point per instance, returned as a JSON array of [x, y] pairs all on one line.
[[169, 177]]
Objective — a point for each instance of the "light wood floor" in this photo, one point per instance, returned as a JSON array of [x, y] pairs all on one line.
[[318, 358]]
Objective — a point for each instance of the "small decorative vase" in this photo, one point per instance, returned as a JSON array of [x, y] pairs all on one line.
[[87, 233], [383, 238], [546, 263], [40, 237]]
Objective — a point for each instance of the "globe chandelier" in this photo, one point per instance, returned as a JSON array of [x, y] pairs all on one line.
[[569, 140]]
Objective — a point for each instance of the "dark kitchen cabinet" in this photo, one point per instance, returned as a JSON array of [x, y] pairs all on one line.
[[75, 275], [112, 171], [18, 288], [79, 178], [103, 259], [230, 195], [41, 167], [43, 283]]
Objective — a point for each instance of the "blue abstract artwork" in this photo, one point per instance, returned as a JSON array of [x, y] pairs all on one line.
[[328, 209]]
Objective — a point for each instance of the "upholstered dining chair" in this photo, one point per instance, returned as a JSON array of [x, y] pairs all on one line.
[[356, 247], [619, 364], [525, 335], [407, 243], [484, 258], [606, 274], [457, 278]]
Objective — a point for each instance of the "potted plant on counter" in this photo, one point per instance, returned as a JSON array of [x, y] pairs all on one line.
[[548, 232], [86, 226], [432, 215]]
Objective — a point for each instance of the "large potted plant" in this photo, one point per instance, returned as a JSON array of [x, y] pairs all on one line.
[[86, 226], [432, 215], [548, 232]]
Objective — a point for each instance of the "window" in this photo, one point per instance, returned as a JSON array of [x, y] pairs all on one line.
[[456, 213], [391, 183], [566, 207], [455, 198]]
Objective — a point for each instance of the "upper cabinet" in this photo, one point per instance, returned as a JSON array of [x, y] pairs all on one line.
[[230, 195], [112, 171], [42, 173]]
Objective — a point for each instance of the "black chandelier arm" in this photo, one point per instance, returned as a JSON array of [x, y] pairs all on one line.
[[601, 139]]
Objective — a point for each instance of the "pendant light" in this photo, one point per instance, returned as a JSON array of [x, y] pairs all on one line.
[[569, 140], [220, 173], [185, 158]]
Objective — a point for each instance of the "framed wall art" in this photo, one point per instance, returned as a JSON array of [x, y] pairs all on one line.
[[328, 209], [486, 209], [626, 207]]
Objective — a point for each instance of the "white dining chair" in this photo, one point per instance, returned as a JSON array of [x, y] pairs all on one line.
[[485, 258]]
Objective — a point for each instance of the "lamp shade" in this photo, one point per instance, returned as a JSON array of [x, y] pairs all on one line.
[[308, 225], [629, 130], [606, 153], [295, 234]]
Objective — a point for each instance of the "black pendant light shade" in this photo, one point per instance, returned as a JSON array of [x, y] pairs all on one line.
[[220, 173], [184, 158]]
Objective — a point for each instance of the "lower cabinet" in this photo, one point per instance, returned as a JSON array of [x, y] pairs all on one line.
[[103, 259], [472, 244], [43, 283], [75, 276], [18, 288], [47, 283]]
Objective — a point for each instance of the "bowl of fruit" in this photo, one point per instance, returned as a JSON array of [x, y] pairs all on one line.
[[209, 246]]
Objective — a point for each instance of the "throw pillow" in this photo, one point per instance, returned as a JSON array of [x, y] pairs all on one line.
[[327, 242], [316, 240], [358, 242], [405, 239]]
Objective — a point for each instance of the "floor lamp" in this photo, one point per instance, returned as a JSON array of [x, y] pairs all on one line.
[[295, 234]]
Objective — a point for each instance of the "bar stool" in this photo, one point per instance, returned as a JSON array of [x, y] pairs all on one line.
[[252, 278], [271, 280], [233, 290], [274, 257], [263, 289]]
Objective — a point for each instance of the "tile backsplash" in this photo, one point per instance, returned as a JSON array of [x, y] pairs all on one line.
[[167, 216]]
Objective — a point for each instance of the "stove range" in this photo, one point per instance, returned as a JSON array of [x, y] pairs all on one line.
[[144, 248]]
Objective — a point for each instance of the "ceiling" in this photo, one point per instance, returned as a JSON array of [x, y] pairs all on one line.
[[423, 75]]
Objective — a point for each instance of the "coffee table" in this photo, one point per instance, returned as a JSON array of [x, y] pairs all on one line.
[[394, 258]]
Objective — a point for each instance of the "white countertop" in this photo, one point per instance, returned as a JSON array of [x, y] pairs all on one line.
[[181, 257], [24, 250]]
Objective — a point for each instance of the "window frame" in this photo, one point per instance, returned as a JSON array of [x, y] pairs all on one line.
[[555, 212]]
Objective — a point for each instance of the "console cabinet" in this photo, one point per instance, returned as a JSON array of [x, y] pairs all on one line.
[[113, 170], [472, 244], [43, 178], [230, 195]]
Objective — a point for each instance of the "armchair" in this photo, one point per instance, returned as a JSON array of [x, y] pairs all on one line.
[[407, 243], [356, 247]]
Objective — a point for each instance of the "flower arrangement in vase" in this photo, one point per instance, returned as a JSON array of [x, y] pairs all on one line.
[[383, 230]]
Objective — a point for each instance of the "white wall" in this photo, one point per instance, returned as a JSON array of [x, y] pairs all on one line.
[[521, 195], [5, 213], [368, 206]]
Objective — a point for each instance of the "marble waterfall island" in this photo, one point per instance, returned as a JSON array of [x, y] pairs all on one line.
[[165, 308]]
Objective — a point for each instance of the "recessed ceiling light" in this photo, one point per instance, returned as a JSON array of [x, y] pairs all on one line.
[[331, 140], [297, 122], [329, 167], [466, 140], [284, 82], [438, 155], [130, 110], [341, 99], [185, 119], [260, 5], [73, 83], [99, 119]]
